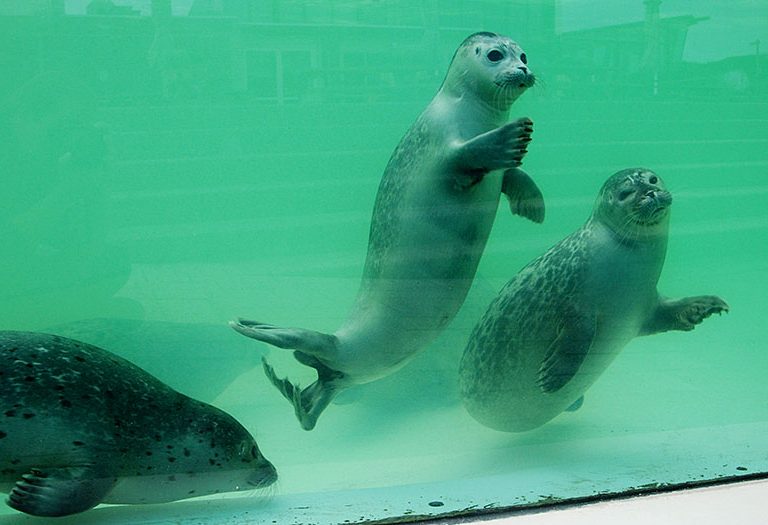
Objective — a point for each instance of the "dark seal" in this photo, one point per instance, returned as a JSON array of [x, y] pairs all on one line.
[[80, 426]]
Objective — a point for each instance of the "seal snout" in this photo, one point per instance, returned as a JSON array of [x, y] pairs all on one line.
[[264, 476], [660, 199], [521, 77], [653, 206]]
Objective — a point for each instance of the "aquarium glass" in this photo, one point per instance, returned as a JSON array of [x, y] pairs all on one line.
[[167, 166]]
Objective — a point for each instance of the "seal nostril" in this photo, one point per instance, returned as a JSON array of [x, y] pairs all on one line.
[[523, 69]]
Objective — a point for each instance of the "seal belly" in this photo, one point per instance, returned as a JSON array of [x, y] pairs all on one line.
[[585, 287], [420, 280]]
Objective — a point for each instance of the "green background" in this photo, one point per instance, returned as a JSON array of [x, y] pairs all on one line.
[[168, 166]]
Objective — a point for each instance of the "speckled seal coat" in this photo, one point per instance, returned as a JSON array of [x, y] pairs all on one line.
[[556, 326], [80, 426], [433, 213]]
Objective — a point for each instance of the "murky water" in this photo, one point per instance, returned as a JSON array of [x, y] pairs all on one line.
[[170, 165]]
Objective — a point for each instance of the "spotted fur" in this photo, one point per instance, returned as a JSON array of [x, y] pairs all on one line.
[[65, 404], [558, 324]]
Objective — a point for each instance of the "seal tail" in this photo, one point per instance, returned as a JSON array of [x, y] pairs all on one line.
[[308, 347]]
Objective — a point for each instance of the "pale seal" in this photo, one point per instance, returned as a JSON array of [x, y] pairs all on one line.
[[80, 426], [556, 326], [433, 213]]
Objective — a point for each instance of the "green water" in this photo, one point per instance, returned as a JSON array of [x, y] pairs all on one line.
[[167, 166]]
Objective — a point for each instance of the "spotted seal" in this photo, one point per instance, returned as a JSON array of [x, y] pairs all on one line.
[[80, 426], [556, 326], [433, 213]]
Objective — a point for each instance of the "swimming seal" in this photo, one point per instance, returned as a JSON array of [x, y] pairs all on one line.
[[80, 426], [433, 213], [556, 326]]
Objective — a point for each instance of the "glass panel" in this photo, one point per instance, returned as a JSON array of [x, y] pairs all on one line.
[[169, 165]]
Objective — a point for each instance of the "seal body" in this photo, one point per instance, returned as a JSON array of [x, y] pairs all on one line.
[[80, 426], [556, 326], [433, 213]]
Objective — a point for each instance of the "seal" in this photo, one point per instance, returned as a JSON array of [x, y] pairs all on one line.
[[80, 426], [555, 327], [435, 206]]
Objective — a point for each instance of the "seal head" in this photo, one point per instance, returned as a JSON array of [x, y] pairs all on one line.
[[635, 204], [493, 67]]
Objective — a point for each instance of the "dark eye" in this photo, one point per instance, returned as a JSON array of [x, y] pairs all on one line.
[[654, 179], [624, 195], [523, 58], [495, 55]]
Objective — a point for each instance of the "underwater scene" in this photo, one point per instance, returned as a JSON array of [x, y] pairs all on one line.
[[306, 262]]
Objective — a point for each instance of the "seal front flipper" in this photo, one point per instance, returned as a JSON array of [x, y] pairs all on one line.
[[503, 147], [567, 352], [310, 402], [60, 491], [683, 314], [525, 198]]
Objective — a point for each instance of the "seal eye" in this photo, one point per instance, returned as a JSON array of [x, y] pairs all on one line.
[[494, 55], [654, 179], [624, 195], [523, 58]]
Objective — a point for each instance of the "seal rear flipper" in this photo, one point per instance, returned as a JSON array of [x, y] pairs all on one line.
[[524, 196], [307, 341], [566, 353], [60, 491], [310, 402]]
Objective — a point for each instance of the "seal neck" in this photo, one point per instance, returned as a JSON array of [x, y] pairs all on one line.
[[492, 111], [633, 237]]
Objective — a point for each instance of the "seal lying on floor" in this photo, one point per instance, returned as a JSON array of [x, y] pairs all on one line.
[[556, 325], [80, 426], [433, 213]]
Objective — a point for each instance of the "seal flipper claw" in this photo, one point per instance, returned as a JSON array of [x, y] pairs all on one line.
[[525, 198], [60, 491]]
